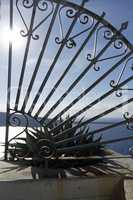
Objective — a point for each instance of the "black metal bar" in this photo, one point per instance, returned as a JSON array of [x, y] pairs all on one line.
[[52, 65], [89, 146], [68, 139], [40, 58], [90, 13], [93, 62], [93, 103], [105, 22], [68, 67], [126, 89], [72, 139], [25, 57], [88, 90], [77, 137], [102, 97], [9, 82], [96, 117], [108, 127], [115, 157]]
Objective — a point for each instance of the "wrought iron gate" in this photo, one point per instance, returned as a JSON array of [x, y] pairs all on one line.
[[70, 62]]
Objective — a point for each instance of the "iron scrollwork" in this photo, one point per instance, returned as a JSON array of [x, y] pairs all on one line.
[[117, 42], [46, 148], [42, 5], [65, 138], [24, 121], [107, 34], [129, 120], [70, 13], [83, 19], [115, 84], [131, 151], [18, 119]]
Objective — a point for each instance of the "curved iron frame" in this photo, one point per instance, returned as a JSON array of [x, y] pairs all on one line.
[[111, 35]]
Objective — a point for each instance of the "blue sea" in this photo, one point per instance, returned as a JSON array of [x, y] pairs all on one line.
[[115, 133]]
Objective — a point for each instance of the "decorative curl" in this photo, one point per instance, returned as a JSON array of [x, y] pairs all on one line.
[[70, 43], [118, 44], [118, 93], [70, 13], [46, 148], [42, 5], [129, 120], [28, 3], [18, 119], [89, 57], [127, 116], [58, 40], [25, 34], [108, 34], [84, 19], [97, 68], [115, 84], [131, 151]]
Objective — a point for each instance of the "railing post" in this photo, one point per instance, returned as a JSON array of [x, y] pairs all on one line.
[[9, 81]]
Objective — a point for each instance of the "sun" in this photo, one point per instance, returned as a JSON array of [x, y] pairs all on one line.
[[12, 36]]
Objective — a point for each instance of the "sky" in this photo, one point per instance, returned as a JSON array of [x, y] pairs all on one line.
[[117, 12]]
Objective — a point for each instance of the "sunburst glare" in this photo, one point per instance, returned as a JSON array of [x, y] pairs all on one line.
[[13, 36]]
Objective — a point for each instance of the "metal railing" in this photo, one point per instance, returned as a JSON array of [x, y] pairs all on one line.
[[60, 36]]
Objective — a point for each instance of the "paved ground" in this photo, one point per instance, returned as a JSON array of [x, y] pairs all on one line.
[[17, 171], [128, 187], [122, 166]]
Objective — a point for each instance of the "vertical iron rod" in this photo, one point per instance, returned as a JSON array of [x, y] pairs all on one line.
[[39, 59], [106, 112], [53, 63], [90, 145], [79, 137], [25, 57], [83, 73], [68, 67], [86, 91], [9, 82]]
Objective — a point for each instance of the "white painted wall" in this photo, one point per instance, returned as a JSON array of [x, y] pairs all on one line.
[[100, 188]]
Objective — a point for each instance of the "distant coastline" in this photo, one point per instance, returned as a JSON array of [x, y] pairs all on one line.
[[122, 131], [32, 122]]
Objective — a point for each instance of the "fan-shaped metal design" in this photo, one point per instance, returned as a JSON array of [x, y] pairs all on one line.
[[73, 69]]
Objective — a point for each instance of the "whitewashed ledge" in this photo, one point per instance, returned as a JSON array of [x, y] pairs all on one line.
[[101, 188], [18, 184]]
